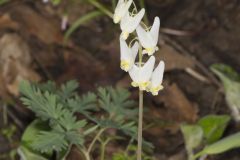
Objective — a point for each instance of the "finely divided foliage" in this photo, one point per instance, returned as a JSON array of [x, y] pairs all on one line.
[[59, 108]]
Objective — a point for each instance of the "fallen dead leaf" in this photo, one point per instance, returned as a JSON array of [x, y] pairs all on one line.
[[15, 63], [7, 23], [85, 68], [173, 59], [177, 104], [46, 29]]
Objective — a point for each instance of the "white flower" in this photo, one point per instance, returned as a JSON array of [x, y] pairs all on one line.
[[130, 23], [121, 9], [141, 75], [128, 55], [45, 1], [149, 39], [156, 79]]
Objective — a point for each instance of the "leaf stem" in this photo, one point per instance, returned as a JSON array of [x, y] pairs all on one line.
[[103, 148], [101, 7], [140, 116], [84, 19], [102, 151], [86, 154], [94, 140], [67, 153]]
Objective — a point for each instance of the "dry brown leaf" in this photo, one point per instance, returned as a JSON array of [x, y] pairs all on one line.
[[7, 22], [177, 103], [172, 58], [83, 67], [15, 63], [46, 29]]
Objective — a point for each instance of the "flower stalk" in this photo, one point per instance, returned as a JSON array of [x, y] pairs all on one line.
[[140, 125], [140, 114]]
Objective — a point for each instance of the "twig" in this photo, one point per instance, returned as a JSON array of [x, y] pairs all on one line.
[[187, 53], [176, 32], [15, 119], [196, 75]]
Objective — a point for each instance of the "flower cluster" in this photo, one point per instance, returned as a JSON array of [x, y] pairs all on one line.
[[143, 75]]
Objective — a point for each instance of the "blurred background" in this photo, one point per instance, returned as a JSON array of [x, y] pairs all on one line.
[[61, 40]]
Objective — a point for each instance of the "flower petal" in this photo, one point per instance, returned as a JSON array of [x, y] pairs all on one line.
[[147, 69], [155, 30], [144, 37], [135, 73], [128, 4], [134, 49], [157, 75], [121, 10], [120, 2], [124, 50], [129, 23]]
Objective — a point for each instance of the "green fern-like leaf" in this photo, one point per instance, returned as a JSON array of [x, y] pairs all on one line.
[[47, 142], [68, 89], [74, 137], [83, 104], [70, 122], [116, 102]]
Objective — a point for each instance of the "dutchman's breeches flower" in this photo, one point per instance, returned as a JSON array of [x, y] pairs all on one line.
[[141, 74], [156, 79], [128, 55], [129, 23], [149, 39], [121, 10]]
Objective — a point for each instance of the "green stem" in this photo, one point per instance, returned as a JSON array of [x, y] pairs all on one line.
[[5, 118], [103, 147], [140, 126], [67, 153], [94, 140], [82, 20], [114, 4], [101, 7], [86, 154], [145, 18], [140, 116], [128, 146]]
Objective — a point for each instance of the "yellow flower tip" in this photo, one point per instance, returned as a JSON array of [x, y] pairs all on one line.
[[124, 35], [149, 51], [155, 90], [134, 84], [125, 65], [144, 85], [116, 19]]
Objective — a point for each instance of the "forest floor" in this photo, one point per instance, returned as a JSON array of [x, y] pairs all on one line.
[[194, 35]]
